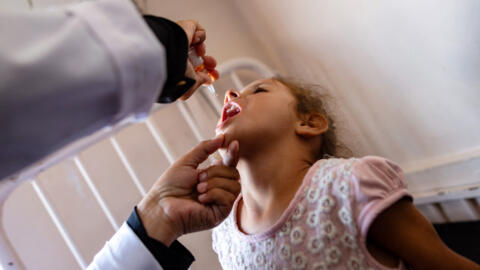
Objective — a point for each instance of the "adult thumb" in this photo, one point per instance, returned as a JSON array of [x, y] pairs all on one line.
[[230, 159], [201, 152]]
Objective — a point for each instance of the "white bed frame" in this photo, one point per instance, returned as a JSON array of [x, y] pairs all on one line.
[[9, 259], [8, 256]]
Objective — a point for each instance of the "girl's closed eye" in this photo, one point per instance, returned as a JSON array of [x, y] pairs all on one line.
[[259, 90]]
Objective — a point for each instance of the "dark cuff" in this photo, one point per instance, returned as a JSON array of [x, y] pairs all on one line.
[[174, 257], [175, 41]]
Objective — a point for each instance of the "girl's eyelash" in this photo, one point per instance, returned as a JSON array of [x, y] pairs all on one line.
[[259, 89]]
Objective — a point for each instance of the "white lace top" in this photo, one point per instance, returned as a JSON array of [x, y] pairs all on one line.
[[325, 225]]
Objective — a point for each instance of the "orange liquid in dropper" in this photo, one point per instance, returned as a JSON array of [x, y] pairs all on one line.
[[201, 67]]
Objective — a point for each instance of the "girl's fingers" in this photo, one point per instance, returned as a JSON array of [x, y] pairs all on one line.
[[229, 185]]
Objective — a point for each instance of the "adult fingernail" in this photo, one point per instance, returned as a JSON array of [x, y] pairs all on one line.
[[202, 187], [202, 177], [227, 159], [202, 197], [233, 146]]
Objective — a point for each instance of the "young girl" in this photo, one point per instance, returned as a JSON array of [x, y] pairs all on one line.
[[300, 210]]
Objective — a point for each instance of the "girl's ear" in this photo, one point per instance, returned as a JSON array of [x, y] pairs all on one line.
[[311, 125]]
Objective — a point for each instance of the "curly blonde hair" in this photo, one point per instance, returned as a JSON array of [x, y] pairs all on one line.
[[310, 100]]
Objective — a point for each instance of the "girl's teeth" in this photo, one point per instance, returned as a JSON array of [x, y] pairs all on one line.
[[231, 110]]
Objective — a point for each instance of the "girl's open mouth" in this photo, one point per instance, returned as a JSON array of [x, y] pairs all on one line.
[[229, 111]]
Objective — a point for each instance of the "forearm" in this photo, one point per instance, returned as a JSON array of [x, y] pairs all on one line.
[[429, 251], [459, 262], [445, 259]]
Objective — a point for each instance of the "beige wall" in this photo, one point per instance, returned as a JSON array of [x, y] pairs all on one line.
[[228, 34], [405, 76]]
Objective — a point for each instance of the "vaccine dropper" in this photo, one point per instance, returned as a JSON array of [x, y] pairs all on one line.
[[198, 65]]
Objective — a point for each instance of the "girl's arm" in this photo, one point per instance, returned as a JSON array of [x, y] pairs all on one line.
[[404, 231]]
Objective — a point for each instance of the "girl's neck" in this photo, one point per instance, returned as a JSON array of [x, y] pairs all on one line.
[[270, 178]]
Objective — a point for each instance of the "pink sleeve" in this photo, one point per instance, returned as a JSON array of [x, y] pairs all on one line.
[[378, 184]]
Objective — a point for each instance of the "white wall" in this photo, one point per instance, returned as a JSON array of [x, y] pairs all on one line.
[[405, 74], [228, 34]]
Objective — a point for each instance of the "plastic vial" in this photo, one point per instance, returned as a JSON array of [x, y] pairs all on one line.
[[198, 66]]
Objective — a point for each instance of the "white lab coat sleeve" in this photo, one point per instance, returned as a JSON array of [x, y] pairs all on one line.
[[124, 251], [137, 57], [88, 46], [68, 71]]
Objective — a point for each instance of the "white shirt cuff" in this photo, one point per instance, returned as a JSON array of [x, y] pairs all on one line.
[[124, 251]]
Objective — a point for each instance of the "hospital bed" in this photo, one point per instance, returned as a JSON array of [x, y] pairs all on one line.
[[439, 204]]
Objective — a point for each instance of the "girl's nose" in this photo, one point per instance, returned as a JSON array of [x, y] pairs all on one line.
[[231, 94]]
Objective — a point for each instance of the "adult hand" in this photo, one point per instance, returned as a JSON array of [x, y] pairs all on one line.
[[186, 199], [196, 36]]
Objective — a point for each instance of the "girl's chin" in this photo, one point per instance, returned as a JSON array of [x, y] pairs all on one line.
[[227, 132], [227, 139], [233, 133]]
